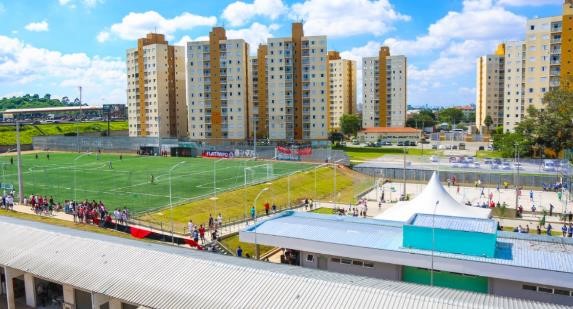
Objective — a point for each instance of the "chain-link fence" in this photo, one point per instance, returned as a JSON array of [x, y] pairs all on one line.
[[470, 178], [321, 150]]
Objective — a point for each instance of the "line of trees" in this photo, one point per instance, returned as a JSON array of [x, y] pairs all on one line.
[[428, 118], [547, 130], [35, 101]]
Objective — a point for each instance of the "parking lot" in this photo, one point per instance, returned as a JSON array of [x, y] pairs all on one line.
[[469, 163]]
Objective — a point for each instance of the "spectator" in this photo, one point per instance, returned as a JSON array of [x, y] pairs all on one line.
[[253, 213], [239, 251], [549, 229], [202, 233], [267, 208], [564, 230], [274, 208], [538, 230], [570, 230]]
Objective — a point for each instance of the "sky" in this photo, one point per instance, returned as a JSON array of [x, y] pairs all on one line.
[[54, 46]]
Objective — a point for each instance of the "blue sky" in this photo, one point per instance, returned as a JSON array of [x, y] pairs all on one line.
[[53, 46]]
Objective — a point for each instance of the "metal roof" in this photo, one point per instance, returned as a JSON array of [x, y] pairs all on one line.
[[535, 252], [51, 109], [456, 223], [159, 276]]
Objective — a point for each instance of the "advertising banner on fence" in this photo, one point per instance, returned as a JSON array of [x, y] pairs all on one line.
[[217, 154]]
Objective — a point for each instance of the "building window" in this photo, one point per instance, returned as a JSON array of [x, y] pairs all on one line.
[[335, 260], [346, 261], [310, 258]]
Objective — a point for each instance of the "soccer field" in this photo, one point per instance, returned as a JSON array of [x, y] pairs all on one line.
[[140, 183]]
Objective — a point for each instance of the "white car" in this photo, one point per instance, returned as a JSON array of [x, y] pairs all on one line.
[[434, 159], [476, 165]]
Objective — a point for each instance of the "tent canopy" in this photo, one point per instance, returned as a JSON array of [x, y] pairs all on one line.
[[426, 201]]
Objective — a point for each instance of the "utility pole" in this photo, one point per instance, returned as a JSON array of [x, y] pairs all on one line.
[[20, 180], [80, 119], [517, 178]]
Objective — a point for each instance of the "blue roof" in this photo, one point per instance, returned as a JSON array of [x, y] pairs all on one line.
[[530, 251], [455, 223]]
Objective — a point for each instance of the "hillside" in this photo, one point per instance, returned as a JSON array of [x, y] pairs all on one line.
[[35, 101]]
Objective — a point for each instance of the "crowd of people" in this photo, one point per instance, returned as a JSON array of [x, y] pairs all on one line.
[[8, 200], [197, 232]]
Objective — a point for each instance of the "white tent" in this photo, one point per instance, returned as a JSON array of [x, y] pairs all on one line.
[[425, 203]]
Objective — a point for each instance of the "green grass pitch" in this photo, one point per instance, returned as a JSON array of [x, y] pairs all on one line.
[[128, 182]]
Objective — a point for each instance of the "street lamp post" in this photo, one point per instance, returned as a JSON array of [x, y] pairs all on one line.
[[433, 244], [20, 177], [171, 199], [255, 217], [335, 164], [75, 174], [404, 147], [517, 178]]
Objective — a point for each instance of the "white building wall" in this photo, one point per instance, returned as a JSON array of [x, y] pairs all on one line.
[[370, 98], [513, 106], [197, 52], [543, 58], [397, 91], [314, 71], [280, 96]]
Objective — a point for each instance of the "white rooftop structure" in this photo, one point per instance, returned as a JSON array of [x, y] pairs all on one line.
[[425, 203], [159, 276]]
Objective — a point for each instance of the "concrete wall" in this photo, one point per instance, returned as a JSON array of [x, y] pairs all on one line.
[[379, 270], [515, 289]]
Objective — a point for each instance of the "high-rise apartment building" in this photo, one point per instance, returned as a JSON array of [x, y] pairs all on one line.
[[543, 58], [490, 81], [514, 85], [297, 93], [258, 113], [156, 88], [541, 62], [217, 87], [384, 97], [342, 88]]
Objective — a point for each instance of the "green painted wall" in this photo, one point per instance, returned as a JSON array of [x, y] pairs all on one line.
[[445, 279], [452, 241]]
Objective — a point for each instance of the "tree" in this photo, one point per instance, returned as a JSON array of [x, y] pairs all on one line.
[[451, 115], [335, 137], [350, 124], [488, 122], [425, 118], [471, 117], [550, 126]]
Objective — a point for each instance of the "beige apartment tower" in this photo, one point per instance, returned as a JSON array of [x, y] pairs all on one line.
[[156, 101], [490, 81], [296, 79], [342, 88], [217, 87], [384, 97], [258, 112]]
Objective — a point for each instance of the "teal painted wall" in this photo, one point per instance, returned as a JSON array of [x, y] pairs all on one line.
[[445, 279], [452, 241]]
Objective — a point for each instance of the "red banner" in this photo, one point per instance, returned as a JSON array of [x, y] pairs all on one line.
[[139, 233], [193, 243], [306, 151], [284, 150]]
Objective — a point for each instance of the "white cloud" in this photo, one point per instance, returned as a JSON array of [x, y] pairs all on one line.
[[529, 2], [183, 40], [102, 36], [479, 20], [343, 18], [26, 66], [136, 25], [239, 12], [87, 3], [37, 26], [254, 35]]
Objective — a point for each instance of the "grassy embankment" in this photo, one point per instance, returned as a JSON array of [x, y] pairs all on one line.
[[235, 205], [8, 133]]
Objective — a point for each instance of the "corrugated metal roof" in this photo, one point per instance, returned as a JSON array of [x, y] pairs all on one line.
[[456, 223], [536, 252], [159, 276]]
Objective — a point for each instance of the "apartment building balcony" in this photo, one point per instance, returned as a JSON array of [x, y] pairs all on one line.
[[555, 40], [555, 72], [555, 62], [556, 51]]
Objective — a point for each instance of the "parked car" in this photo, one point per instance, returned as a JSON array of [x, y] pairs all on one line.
[[372, 144], [462, 146], [355, 142], [488, 161], [434, 146], [434, 159], [548, 166], [497, 161], [506, 166], [400, 144]]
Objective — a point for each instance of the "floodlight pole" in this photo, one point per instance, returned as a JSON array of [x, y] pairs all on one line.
[[404, 147], [20, 179], [171, 200], [335, 164], [255, 217], [517, 178], [433, 243]]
